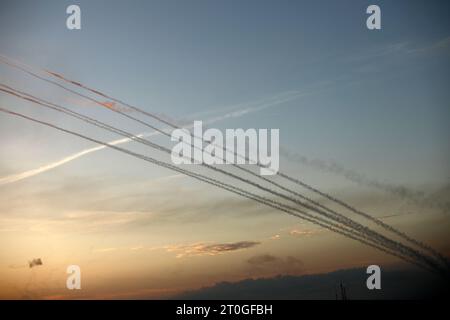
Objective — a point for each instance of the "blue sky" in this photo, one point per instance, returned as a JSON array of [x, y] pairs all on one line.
[[176, 58]]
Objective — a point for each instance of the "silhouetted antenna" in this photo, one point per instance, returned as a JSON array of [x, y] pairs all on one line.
[[343, 292]]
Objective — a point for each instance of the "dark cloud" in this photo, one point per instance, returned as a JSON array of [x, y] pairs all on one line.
[[293, 261], [268, 265], [262, 259], [396, 284]]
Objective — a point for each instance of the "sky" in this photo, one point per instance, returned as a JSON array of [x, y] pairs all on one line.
[[363, 114]]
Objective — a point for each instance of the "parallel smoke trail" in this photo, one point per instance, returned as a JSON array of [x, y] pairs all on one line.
[[7, 61], [369, 217], [268, 202], [33, 172], [402, 191], [334, 215], [378, 222], [30, 173], [297, 181]]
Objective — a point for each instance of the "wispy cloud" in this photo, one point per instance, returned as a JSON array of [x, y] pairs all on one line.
[[201, 249], [190, 250], [267, 264], [302, 233], [262, 259]]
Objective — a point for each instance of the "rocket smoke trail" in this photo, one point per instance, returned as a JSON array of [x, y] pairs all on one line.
[[297, 181], [283, 175], [30, 173], [369, 217], [334, 215], [230, 188]]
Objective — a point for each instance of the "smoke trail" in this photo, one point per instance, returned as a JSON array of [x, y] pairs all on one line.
[[397, 190], [385, 226], [232, 189], [334, 215], [416, 197], [118, 111], [30, 173], [378, 222], [345, 220], [369, 217], [238, 113]]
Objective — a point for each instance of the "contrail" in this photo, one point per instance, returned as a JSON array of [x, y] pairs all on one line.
[[231, 189], [30, 173], [175, 126]]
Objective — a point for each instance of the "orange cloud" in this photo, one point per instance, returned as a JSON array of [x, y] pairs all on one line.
[[302, 233]]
